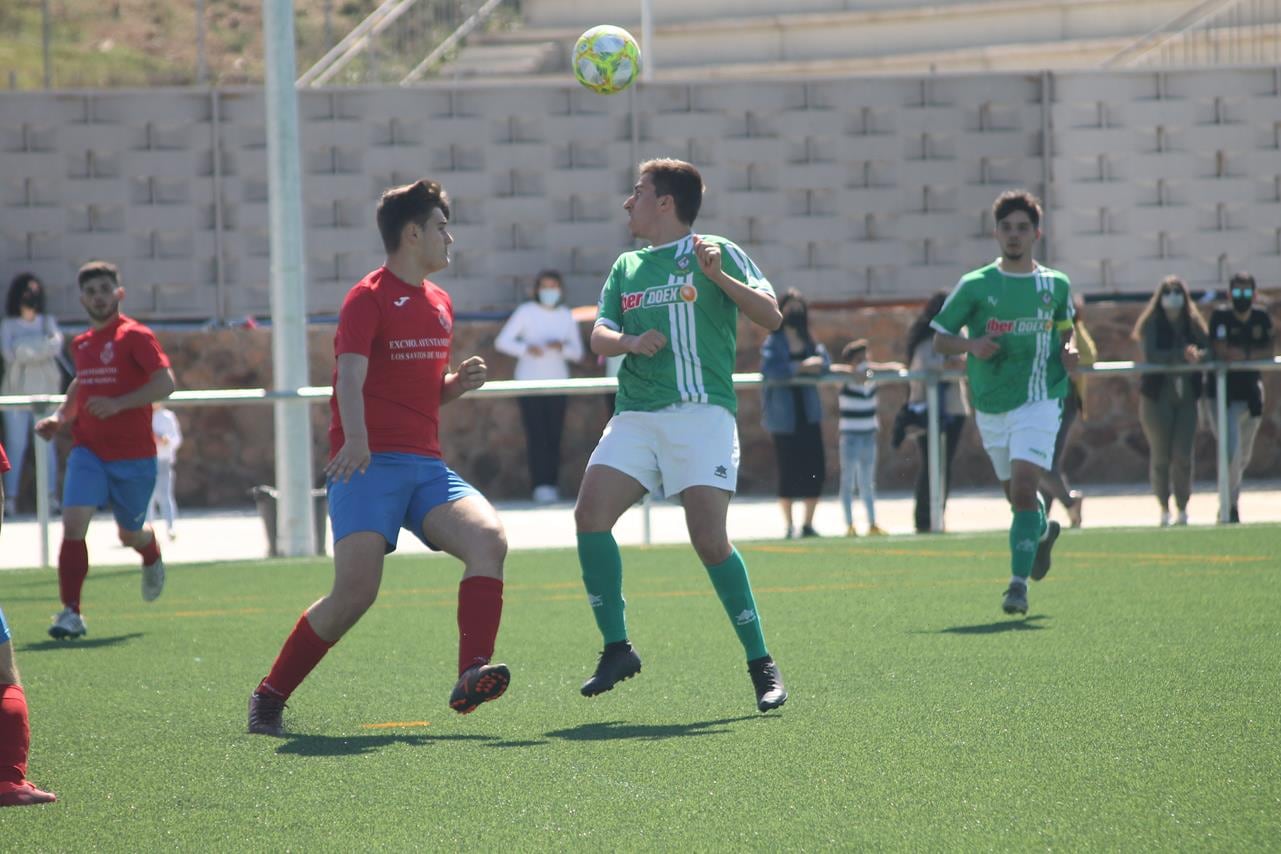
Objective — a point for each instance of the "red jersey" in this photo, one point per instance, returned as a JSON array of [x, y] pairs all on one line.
[[405, 331], [117, 359]]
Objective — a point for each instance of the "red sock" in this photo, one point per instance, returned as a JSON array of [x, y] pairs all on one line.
[[150, 552], [480, 608], [15, 734], [73, 566], [302, 651]]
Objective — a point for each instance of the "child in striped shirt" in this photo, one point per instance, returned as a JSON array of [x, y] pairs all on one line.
[[858, 427]]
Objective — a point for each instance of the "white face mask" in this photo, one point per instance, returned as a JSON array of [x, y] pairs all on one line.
[[1172, 301], [549, 297]]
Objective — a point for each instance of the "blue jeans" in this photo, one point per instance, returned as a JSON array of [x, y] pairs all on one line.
[[858, 470], [18, 424]]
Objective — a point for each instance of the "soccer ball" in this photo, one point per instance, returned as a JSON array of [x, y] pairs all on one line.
[[606, 59]]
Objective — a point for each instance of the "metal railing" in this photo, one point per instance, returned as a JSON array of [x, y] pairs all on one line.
[[309, 395], [1213, 32]]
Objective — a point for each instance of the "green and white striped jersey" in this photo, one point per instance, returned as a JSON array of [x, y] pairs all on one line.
[[662, 287], [1028, 312]]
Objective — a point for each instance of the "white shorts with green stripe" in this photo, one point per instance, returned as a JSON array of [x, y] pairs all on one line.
[[671, 449], [1025, 433]]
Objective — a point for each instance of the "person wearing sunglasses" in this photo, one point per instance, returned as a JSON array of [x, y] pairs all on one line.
[[1240, 331]]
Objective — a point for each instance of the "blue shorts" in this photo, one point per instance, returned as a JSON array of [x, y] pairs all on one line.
[[124, 484], [4, 628], [396, 491]]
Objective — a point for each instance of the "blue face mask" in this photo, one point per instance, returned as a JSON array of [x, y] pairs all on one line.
[[549, 297]]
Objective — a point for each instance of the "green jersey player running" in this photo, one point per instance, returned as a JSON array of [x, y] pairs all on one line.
[[1019, 352], [671, 310]]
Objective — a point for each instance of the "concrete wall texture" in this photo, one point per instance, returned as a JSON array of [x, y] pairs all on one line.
[[844, 187]]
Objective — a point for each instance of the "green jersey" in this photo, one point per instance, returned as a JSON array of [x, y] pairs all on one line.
[[662, 287], [1028, 311]]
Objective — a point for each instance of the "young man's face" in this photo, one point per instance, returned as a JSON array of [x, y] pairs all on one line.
[[101, 298], [430, 242], [1017, 235], [642, 206]]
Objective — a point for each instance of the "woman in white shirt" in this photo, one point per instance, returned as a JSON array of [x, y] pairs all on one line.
[[30, 342], [544, 339], [164, 424]]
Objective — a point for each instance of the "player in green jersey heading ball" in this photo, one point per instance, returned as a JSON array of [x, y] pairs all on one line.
[[671, 309], [1019, 352]]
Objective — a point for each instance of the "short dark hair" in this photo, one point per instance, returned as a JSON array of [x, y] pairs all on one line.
[[95, 269], [1242, 279], [399, 206], [855, 346], [18, 287], [1017, 200], [554, 275], [681, 181]]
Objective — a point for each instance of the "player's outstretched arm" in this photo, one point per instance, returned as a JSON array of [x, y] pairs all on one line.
[[471, 375]]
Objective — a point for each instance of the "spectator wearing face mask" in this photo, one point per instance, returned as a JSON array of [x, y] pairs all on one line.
[[1170, 331], [30, 342], [544, 339], [1240, 332]]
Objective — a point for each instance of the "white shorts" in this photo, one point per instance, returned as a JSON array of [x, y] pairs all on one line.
[[672, 449], [1025, 433]]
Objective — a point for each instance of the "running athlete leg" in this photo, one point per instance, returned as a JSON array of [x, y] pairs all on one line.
[[15, 733]]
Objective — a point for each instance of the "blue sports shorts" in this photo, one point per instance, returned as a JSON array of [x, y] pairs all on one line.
[[124, 484], [397, 491]]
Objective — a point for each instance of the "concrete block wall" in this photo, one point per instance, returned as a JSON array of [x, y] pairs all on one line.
[[845, 187]]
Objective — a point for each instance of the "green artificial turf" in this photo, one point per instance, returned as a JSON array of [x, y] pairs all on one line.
[[1135, 708]]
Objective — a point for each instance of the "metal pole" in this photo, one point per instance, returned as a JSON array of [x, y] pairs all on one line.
[[45, 35], [42, 490], [220, 273], [1221, 435], [647, 41], [202, 64], [295, 528], [1047, 154], [933, 458]]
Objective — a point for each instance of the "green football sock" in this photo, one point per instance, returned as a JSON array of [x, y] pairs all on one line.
[[1040, 508], [732, 586], [603, 578], [1025, 532]]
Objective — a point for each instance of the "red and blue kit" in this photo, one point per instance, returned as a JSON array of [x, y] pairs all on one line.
[[117, 359], [405, 331]]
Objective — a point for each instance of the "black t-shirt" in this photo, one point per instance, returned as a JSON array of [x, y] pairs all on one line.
[[1252, 335]]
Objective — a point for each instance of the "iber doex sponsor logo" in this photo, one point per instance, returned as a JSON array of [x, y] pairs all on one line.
[[1021, 326], [664, 295]]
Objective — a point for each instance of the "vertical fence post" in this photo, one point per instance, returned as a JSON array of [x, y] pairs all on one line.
[[1221, 434], [42, 489], [933, 459]]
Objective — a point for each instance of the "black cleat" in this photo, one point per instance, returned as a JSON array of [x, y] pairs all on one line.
[[1015, 601], [618, 661], [266, 711], [1041, 563], [479, 683], [768, 682]]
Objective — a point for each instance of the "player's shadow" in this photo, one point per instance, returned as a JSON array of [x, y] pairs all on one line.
[[358, 745], [1027, 624], [80, 643], [618, 730]]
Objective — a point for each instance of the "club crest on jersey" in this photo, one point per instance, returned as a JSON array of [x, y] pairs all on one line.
[[1047, 297], [660, 296], [1020, 326], [682, 261], [108, 353]]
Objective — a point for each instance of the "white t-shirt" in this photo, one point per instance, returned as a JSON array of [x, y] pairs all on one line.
[[165, 425], [533, 325]]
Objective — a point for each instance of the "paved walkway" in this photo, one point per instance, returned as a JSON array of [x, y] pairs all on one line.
[[213, 535]]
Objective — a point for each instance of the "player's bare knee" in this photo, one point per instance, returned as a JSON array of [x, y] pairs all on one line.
[[712, 548]]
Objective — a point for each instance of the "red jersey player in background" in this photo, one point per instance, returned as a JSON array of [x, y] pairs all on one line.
[[385, 470], [120, 371], [15, 733]]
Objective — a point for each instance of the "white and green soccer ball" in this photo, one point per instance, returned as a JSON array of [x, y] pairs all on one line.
[[606, 59]]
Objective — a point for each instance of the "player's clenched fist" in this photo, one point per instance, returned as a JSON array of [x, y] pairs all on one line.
[[709, 257], [47, 428], [472, 373], [984, 348], [647, 343]]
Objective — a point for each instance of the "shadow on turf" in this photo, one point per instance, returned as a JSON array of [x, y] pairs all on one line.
[[618, 730], [1027, 624], [356, 745], [81, 643]]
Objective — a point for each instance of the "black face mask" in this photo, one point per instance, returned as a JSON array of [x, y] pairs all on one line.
[[30, 300], [795, 319], [1242, 304]]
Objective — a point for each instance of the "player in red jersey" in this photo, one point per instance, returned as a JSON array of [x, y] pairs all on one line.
[[120, 371], [385, 470], [15, 731]]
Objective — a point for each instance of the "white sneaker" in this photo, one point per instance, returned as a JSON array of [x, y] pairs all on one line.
[[1182, 518], [67, 624], [1165, 518], [153, 580], [546, 494]]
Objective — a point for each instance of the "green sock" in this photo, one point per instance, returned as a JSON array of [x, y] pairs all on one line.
[[603, 578], [1040, 509], [732, 586], [1025, 531]]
